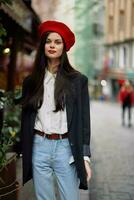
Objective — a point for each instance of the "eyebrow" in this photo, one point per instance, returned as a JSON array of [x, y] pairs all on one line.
[[55, 40]]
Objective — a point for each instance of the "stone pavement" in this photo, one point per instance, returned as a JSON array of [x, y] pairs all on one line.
[[112, 157], [112, 154]]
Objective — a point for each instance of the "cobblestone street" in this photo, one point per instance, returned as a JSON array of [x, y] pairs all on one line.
[[112, 154]]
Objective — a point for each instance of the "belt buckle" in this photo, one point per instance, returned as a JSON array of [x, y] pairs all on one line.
[[60, 136]]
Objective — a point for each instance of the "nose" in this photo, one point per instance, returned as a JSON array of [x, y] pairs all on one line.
[[52, 45]]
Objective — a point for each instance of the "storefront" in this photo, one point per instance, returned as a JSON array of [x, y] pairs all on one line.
[[18, 46]]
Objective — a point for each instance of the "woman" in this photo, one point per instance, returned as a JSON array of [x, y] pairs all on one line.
[[55, 118]]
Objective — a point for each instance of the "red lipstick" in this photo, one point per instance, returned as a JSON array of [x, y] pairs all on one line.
[[52, 51]]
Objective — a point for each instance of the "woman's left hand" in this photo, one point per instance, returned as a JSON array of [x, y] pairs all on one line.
[[88, 170]]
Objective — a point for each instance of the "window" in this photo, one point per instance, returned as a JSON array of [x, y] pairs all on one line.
[[111, 25], [122, 20]]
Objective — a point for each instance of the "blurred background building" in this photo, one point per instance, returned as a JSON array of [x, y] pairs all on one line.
[[17, 45], [89, 51], [89, 26], [119, 41]]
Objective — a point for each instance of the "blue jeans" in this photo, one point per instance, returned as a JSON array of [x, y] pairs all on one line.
[[51, 157]]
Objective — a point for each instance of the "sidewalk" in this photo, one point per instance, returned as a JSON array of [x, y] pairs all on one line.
[[112, 154]]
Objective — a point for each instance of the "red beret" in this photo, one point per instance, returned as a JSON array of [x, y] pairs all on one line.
[[61, 28]]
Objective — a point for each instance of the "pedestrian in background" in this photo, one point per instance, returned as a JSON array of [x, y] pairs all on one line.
[[126, 97], [55, 128]]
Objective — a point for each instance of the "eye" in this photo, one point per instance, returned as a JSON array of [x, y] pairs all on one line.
[[48, 41], [58, 42]]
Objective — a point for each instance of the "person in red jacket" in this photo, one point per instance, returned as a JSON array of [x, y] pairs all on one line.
[[126, 97]]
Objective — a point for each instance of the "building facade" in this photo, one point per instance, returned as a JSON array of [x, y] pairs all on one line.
[[89, 23], [119, 40], [17, 45]]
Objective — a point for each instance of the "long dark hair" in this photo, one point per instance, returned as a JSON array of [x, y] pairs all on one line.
[[65, 73]]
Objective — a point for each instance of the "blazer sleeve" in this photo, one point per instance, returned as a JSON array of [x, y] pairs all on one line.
[[24, 91], [24, 86], [86, 118]]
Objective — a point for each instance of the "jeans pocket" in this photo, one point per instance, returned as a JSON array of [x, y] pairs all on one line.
[[65, 143], [38, 139]]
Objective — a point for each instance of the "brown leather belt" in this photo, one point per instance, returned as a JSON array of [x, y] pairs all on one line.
[[53, 136]]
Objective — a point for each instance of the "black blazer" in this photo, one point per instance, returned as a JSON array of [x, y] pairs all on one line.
[[78, 120]]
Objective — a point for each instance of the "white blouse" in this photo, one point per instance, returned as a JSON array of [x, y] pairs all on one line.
[[47, 120]]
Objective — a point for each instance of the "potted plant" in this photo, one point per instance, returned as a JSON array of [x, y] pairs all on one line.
[[9, 136]]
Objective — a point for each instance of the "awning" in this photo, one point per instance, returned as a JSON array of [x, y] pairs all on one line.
[[121, 74], [19, 13]]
